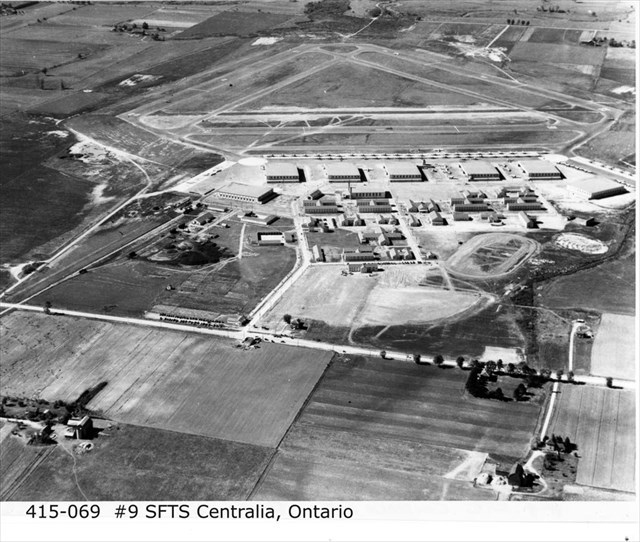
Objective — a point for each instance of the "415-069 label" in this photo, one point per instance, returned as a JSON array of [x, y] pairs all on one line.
[[53, 511]]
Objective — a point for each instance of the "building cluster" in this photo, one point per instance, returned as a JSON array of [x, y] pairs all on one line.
[[470, 201], [324, 205], [520, 199]]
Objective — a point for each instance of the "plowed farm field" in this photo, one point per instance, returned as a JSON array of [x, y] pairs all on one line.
[[601, 422], [383, 429], [159, 378]]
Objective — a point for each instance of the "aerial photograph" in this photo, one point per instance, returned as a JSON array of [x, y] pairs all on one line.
[[328, 250]]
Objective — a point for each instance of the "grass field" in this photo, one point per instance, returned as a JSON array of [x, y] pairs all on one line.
[[19, 56], [381, 429], [176, 381], [142, 464], [601, 422], [607, 288], [248, 396], [236, 23], [490, 255], [341, 85], [465, 335], [613, 351]]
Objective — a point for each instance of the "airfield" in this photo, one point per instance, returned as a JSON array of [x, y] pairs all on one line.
[[304, 225]]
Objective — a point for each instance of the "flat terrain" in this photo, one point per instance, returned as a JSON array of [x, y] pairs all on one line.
[[614, 352], [491, 255], [395, 295], [382, 429], [133, 463], [169, 380], [601, 422]]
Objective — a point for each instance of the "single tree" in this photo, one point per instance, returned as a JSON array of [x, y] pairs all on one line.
[[383, 354], [416, 358], [287, 318], [511, 368], [609, 382], [145, 26], [438, 360], [460, 361], [559, 374], [500, 365], [570, 376], [47, 307]]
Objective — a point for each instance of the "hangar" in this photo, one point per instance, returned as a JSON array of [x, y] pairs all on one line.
[[596, 188], [281, 172], [342, 172], [402, 172], [245, 192], [479, 170], [539, 169]]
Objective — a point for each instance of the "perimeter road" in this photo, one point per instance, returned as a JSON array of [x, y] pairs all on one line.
[[266, 335]]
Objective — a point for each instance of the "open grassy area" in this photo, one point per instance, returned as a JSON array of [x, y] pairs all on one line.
[[396, 296], [341, 85], [133, 463], [601, 422], [614, 352], [170, 380], [381, 429], [233, 23]]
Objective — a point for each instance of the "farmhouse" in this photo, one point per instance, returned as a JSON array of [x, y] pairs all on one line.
[[414, 222], [79, 428], [246, 193], [402, 172], [281, 172], [596, 188], [478, 170], [342, 172], [539, 169]]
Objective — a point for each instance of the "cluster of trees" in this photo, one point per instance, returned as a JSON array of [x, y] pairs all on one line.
[[477, 380], [519, 21], [144, 27]]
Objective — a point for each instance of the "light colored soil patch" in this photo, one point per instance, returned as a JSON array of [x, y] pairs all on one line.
[[324, 294], [391, 297], [169, 380], [413, 304], [582, 243], [614, 347]]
